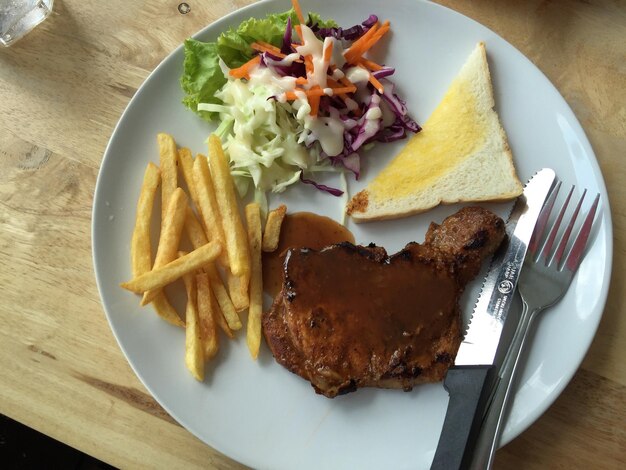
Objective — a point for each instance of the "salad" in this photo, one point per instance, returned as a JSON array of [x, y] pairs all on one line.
[[294, 97]]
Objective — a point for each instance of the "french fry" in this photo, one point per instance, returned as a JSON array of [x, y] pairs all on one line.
[[238, 289], [227, 306], [167, 162], [166, 311], [185, 162], [194, 230], [219, 318], [206, 316], [226, 309], [209, 210], [140, 251], [194, 353], [253, 334], [171, 230], [236, 242], [173, 270], [271, 236]]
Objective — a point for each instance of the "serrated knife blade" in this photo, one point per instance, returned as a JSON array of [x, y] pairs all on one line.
[[487, 322], [465, 381]]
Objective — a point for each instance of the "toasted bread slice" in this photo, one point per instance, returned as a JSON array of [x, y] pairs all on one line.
[[461, 155]]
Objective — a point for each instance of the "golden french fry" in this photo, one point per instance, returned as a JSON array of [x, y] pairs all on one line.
[[140, 251], [206, 316], [236, 242], [194, 353], [227, 311], [253, 334], [194, 230], [209, 210], [238, 289], [140, 245], [219, 317], [175, 269], [167, 162], [272, 228], [185, 162], [165, 310], [171, 231], [226, 304]]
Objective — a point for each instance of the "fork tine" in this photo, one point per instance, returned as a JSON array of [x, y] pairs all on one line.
[[576, 253], [565, 238], [542, 220], [546, 252]]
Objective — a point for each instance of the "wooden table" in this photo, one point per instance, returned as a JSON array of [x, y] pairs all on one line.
[[63, 88]]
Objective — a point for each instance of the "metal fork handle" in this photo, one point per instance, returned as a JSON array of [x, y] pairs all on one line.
[[494, 420]]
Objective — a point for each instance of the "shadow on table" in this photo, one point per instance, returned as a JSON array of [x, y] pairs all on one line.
[[24, 448]]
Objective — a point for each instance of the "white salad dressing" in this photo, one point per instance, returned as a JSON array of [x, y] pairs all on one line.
[[277, 84], [329, 132], [266, 123], [357, 75], [311, 45]]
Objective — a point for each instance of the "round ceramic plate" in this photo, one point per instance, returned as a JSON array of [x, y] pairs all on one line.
[[257, 412]]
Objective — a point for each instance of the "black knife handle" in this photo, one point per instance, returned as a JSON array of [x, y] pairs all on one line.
[[465, 385]]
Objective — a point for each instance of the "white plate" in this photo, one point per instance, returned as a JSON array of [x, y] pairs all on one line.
[[257, 412]]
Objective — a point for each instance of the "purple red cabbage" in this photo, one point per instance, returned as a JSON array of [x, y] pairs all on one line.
[[321, 187], [365, 129], [359, 130], [287, 48], [384, 72], [350, 34]]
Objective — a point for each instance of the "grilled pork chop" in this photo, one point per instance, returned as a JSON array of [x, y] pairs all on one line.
[[351, 316]]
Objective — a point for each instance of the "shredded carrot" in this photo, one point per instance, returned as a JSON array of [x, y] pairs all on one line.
[[343, 96], [261, 47], [317, 91], [370, 32], [308, 63], [369, 64], [299, 31], [314, 102], [296, 7], [328, 52], [350, 87], [301, 81], [345, 89], [366, 42], [345, 82], [356, 46], [244, 70], [291, 95], [374, 81], [375, 38], [267, 45]]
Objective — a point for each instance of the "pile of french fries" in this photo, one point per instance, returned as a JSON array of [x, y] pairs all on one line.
[[223, 273]]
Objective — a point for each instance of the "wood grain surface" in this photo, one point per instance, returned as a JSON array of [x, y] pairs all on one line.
[[62, 90]]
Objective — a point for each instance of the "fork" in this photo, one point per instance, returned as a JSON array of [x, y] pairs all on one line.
[[546, 276]]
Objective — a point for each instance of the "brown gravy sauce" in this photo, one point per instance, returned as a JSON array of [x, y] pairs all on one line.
[[300, 230]]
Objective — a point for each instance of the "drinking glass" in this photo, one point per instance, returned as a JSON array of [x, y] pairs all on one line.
[[18, 17]]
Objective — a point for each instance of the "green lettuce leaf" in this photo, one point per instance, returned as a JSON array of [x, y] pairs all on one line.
[[202, 75], [233, 46]]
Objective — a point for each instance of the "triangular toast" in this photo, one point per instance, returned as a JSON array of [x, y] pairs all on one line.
[[461, 155]]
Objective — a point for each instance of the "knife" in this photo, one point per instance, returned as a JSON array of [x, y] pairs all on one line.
[[467, 381]]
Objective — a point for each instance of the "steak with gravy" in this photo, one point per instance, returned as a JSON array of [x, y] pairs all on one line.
[[351, 316]]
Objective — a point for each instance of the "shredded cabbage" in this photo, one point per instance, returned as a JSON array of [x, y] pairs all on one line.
[[260, 135], [295, 108]]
